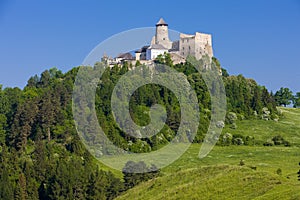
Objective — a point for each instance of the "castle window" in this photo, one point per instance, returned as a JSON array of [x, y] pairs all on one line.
[[189, 47], [182, 48], [164, 38]]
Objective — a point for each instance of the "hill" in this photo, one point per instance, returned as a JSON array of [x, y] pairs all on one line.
[[216, 182], [269, 172]]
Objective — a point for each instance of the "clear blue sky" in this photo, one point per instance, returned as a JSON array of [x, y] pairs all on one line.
[[259, 39]]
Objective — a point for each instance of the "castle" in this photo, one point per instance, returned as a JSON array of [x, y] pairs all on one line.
[[196, 45]]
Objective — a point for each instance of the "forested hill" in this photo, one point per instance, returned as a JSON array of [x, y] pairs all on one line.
[[42, 156]]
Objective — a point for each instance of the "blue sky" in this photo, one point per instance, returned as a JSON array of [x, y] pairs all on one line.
[[259, 39]]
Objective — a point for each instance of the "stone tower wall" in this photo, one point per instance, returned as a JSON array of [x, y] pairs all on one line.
[[162, 36], [196, 45], [187, 45]]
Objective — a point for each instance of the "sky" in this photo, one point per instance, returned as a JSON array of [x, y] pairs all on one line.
[[259, 39]]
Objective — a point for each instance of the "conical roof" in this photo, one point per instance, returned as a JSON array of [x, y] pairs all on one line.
[[161, 22]]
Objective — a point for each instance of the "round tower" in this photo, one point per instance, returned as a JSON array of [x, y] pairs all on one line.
[[162, 34]]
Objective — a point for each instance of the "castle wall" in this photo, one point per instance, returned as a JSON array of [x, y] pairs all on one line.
[[187, 45], [204, 45], [196, 45]]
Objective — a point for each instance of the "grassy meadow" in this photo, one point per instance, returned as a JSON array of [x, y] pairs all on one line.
[[269, 172]]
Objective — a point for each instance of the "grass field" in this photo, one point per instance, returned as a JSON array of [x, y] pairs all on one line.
[[216, 182], [288, 127], [220, 176]]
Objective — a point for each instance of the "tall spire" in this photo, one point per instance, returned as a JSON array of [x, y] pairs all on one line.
[[161, 22]]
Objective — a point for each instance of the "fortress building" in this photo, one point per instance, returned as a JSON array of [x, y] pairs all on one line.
[[197, 45]]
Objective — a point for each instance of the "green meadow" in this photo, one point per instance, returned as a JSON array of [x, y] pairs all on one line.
[[234, 172]]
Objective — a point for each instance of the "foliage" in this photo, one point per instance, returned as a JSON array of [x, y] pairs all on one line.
[[41, 155], [131, 178], [296, 100], [284, 96]]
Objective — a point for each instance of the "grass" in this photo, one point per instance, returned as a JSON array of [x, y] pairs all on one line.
[[216, 182], [267, 159], [219, 176], [288, 127]]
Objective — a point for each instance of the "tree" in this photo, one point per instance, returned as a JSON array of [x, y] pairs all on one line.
[[296, 101], [164, 59], [160, 59], [6, 191], [284, 96], [135, 173]]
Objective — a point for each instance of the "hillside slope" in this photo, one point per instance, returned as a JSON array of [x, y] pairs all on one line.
[[219, 176], [217, 182]]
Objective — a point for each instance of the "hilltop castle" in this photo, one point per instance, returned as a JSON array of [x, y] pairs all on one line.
[[196, 45]]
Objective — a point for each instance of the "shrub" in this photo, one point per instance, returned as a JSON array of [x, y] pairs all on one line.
[[269, 143], [238, 139], [249, 140], [131, 178], [242, 163], [279, 171], [227, 139], [277, 140], [231, 118], [233, 126], [298, 173]]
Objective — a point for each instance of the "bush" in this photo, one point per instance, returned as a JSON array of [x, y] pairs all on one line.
[[231, 117], [233, 126], [242, 163], [269, 143], [277, 141], [238, 139], [227, 139], [249, 140], [298, 173], [279, 171], [132, 178]]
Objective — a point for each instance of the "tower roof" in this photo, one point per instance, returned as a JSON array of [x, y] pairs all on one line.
[[161, 22]]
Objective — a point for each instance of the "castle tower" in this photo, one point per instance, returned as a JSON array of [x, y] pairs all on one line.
[[162, 34]]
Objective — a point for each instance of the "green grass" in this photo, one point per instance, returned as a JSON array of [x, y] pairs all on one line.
[[288, 127], [267, 159], [219, 176], [216, 182]]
